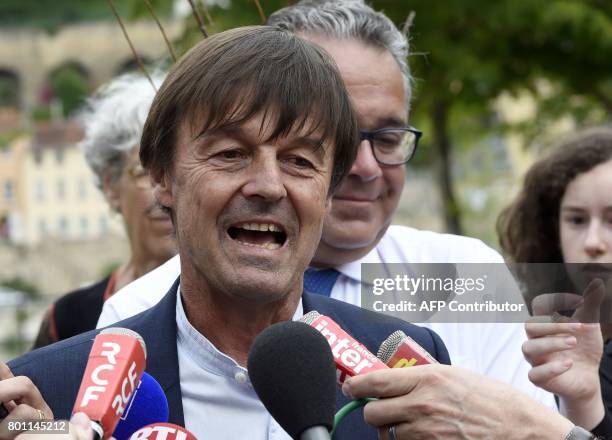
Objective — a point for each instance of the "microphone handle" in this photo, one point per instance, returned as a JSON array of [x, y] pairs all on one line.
[[315, 433]]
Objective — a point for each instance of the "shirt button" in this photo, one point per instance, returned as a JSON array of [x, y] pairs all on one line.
[[241, 377]]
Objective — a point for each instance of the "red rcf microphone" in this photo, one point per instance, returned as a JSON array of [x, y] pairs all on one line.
[[115, 366], [162, 431], [400, 351], [350, 356]]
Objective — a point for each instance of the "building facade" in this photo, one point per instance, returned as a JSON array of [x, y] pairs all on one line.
[[50, 191]]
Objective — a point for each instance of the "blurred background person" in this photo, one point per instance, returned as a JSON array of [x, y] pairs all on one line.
[[563, 214], [112, 122]]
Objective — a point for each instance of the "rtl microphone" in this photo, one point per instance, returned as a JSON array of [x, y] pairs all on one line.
[[147, 405], [400, 350], [115, 366], [162, 431], [350, 356], [292, 370]]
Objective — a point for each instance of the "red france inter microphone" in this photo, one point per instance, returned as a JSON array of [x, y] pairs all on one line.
[[115, 366], [400, 351], [162, 431], [351, 357]]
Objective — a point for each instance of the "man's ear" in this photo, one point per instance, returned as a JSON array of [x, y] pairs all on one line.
[[162, 187], [112, 191]]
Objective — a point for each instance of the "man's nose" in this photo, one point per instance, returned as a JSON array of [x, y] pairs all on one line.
[[595, 243], [365, 166], [265, 180]]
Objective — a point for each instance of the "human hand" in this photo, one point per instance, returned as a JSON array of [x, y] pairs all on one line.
[[441, 401], [79, 429], [565, 354], [22, 401]]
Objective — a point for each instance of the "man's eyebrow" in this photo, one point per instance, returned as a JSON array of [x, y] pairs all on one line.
[[227, 130], [390, 122], [314, 142]]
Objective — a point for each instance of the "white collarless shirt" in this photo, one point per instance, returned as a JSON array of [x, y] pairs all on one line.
[[218, 399]]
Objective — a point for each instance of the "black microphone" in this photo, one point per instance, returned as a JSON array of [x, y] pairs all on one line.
[[292, 369]]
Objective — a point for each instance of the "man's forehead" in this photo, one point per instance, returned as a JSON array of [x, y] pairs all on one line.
[[258, 128]]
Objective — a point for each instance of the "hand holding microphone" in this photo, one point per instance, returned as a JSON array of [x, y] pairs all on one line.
[[19, 400], [440, 401], [79, 428]]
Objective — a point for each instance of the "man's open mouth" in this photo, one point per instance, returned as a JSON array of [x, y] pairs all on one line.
[[262, 235]]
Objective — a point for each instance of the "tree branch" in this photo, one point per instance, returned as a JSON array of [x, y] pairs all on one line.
[[208, 16], [127, 37], [159, 25], [198, 18], [261, 12]]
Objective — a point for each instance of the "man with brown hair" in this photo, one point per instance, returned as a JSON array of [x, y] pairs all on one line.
[[246, 141]]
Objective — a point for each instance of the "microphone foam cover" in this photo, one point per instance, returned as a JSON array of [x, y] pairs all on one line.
[[148, 405], [292, 369]]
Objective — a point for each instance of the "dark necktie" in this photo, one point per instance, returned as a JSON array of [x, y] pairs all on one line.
[[320, 281]]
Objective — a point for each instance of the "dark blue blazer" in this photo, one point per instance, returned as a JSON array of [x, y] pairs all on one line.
[[58, 368]]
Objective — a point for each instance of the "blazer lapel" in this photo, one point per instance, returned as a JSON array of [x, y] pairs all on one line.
[[158, 328]]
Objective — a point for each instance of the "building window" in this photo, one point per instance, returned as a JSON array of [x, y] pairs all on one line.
[[43, 230], [103, 226], [61, 189], [38, 156], [40, 191], [59, 155], [82, 189], [8, 191], [84, 227], [64, 227]]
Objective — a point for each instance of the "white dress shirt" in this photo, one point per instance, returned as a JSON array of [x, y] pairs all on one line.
[[488, 348], [215, 389]]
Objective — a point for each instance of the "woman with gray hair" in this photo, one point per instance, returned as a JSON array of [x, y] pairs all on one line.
[[112, 120]]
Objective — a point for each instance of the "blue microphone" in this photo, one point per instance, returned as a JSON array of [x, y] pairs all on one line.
[[147, 405]]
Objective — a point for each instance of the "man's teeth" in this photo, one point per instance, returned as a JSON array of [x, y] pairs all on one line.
[[270, 245], [264, 227]]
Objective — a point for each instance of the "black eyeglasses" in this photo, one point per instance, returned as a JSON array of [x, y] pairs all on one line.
[[392, 146]]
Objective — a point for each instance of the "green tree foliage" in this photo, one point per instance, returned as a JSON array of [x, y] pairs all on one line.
[[467, 52], [70, 86], [21, 285], [50, 15]]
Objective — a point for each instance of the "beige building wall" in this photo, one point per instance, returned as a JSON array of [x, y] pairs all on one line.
[[98, 47], [516, 109], [60, 199], [12, 157]]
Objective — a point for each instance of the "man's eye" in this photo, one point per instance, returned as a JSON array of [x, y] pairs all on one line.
[[387, 140], [231, 154], [300, 162]]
